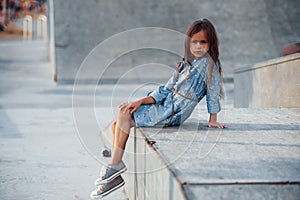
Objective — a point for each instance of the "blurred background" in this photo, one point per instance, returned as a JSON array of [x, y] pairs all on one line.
[[249, 31], [50, 128], [14, 11]]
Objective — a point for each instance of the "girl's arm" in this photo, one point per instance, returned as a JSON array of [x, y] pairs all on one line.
[[162, 91], [213, 98], [213, 91], [156, 96], [134, 105]]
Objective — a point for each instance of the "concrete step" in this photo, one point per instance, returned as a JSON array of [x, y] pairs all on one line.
[[23, 51], [26, 64], [262, 85], [256, 157]]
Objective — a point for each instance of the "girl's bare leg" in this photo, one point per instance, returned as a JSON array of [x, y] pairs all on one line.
[[113, 129], [122, 129]]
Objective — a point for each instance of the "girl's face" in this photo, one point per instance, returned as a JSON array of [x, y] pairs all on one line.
[[199, 44]]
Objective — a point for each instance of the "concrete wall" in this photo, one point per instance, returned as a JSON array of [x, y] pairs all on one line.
[[274, 83], [147, 175], [249, 31]]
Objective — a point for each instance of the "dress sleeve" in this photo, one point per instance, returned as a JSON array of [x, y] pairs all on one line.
[[162, 91], [213, 92]]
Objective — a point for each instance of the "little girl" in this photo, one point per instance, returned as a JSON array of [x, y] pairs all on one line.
[[199, 74]]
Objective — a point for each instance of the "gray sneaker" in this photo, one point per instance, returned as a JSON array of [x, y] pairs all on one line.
[[110, 172], [107, 188]]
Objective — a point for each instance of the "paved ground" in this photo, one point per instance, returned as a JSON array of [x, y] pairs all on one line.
[[41, 154]]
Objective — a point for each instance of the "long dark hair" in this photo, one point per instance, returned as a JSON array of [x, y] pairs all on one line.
[[213, 41]]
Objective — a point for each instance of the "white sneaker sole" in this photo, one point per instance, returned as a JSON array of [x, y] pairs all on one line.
[[99, 181], [100, 196]]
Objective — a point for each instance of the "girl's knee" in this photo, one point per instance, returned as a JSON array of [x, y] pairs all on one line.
[[123, 115], [123, 107]]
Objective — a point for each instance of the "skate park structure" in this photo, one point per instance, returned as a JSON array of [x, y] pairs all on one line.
[[50, 144]]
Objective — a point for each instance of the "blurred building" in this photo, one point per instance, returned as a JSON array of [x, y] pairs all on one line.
[[14, 9]]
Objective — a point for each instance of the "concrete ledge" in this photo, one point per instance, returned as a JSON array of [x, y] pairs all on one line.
[[274, 61], [148, 176], [273, 83], [256, 157]]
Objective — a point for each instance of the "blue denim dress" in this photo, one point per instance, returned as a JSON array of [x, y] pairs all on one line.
[[176, 100]]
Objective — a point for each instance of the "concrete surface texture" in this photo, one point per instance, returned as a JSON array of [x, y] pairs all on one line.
[[22, 51], [41, 154], [249, 31], [256, 157], [270, 84]]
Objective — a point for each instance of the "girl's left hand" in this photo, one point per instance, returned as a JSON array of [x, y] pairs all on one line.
[[216, 124]]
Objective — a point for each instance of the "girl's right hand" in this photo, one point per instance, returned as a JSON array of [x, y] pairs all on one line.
[[216, 125], [132, 106]]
